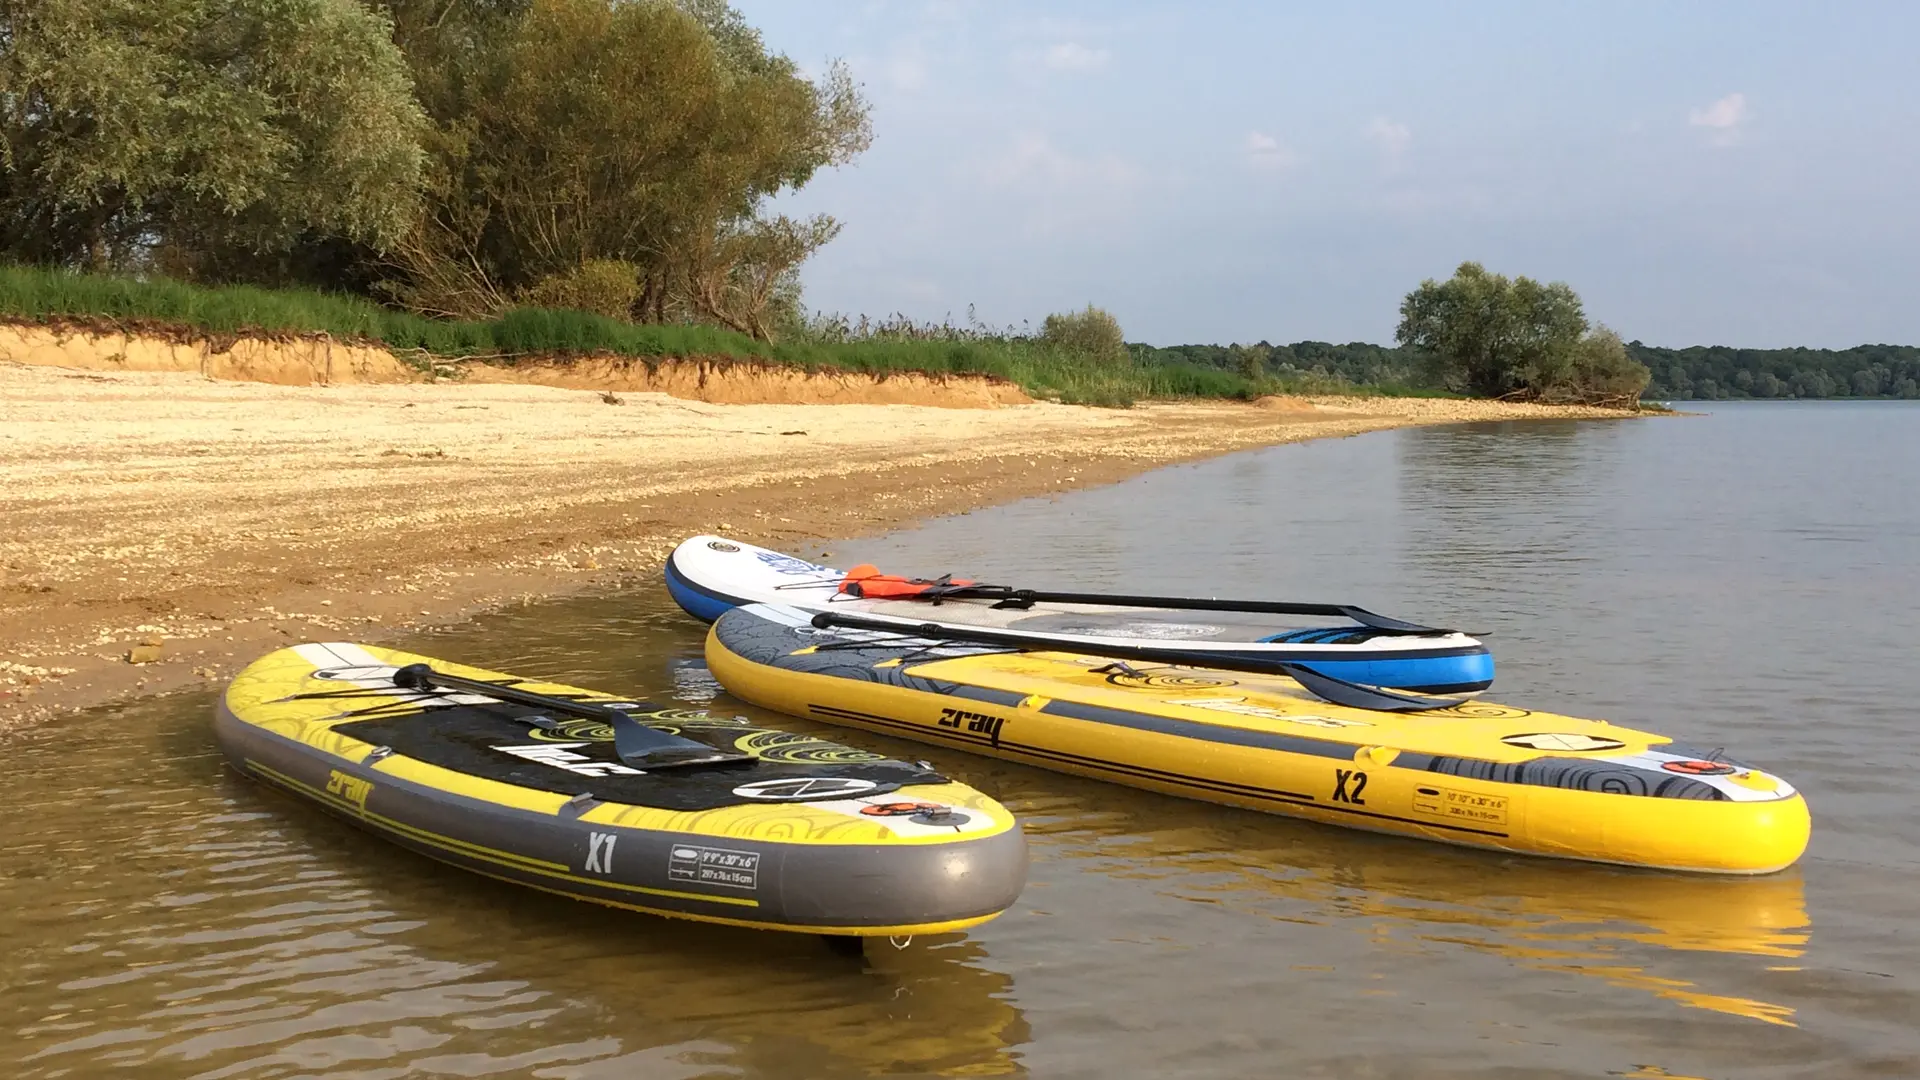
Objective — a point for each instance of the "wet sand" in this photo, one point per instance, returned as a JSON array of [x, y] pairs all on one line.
[[163, 528]]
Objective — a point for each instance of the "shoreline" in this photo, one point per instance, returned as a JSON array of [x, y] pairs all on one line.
[[166, 528]]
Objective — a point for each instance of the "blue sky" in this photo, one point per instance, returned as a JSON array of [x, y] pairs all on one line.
[[1701, 173]]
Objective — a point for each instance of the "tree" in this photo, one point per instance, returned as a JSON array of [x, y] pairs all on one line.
[[1252, 360], [748, 277], [1601, 371], [1090, 333], [1491, 335], [644, 133], [200, 131]]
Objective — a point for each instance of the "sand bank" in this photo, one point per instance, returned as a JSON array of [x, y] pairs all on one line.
[[321, 360], [158, 528]]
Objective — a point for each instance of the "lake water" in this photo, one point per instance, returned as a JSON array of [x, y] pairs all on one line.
[[1746, 579]]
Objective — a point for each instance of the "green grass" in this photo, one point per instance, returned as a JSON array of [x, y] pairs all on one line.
[[38, 294], [35, 293]]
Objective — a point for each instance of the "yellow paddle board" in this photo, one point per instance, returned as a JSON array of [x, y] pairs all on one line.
[[796, 833], [1479, 774]]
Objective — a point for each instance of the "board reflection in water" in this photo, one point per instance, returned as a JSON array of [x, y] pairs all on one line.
[[1572, 919]]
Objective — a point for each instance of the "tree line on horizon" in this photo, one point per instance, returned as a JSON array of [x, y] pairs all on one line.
[[1490, 336], [1477, 333], [1696, 373]]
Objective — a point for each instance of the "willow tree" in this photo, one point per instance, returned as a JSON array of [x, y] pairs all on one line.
[[1496, 336], [201, 132], [1604, 372], [641, 133], [1489, 334]]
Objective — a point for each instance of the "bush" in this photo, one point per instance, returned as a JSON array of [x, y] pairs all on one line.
[[1251, 360], [1092, 334], [607, 287], [1603, 371]]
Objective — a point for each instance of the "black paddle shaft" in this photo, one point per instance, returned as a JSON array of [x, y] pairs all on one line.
[[1021, 598], [634, 743], [1337, 691]]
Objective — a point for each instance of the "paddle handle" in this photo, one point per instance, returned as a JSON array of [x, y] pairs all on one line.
[[424, 677]]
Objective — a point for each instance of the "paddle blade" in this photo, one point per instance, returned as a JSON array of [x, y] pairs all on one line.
[[1355, 696], [1388, 623], [641, 747]]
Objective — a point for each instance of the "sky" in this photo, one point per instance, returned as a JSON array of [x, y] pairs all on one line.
[[1701, 173]]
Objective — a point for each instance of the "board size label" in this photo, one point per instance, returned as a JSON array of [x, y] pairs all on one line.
[[698, 865], [1456, 805]]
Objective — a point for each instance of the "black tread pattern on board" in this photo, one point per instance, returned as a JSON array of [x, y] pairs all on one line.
[[465, 739], [1575, 774]]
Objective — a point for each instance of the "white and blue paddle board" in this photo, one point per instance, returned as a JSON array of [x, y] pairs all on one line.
[[710, 575]]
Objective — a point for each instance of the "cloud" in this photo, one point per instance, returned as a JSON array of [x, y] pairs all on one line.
[[1055, 190], [1266, 152], [917, 288], [1073, 56], [905, 66], [1034, 161], [1724, 119], [1451, 200], [1390, 136], [944, 11]]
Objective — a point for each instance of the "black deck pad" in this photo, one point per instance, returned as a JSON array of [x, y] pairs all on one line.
[[576, 756]]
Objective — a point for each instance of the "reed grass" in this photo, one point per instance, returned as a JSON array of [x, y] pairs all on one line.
[[1044, 371]]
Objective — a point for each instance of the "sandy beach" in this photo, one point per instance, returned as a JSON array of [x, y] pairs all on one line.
[[162, 528]]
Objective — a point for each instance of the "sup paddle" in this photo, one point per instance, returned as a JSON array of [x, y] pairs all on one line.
[[883, 587], [636, 744], [1337, 691]]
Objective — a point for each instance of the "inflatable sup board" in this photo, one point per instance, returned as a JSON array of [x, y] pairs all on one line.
[[1472, 773], [668, 811], [707, 575]]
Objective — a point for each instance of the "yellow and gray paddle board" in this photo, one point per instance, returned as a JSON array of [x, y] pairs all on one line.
[[1478, 773], [803, 835]]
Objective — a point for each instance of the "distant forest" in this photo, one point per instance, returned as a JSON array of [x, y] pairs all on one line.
[[1712, 372], [1311, 365], [1698, 373]]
